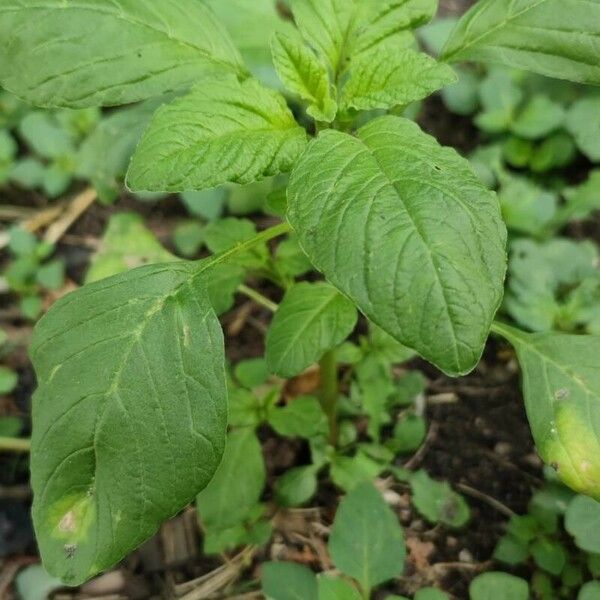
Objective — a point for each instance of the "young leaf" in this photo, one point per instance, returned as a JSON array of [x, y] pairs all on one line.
[[366, 540], [236, 487], [127, 243], [388, 22], [288, 581], [326, 26], [540, 117], [583, 122], [296, 486], [438, 502], [387, 78], [336, 588], [303, 74], [498, 586], [557, 38], [302, 417], [589, 591], [406, 230], [561, 385], [222, 131], [132, 50], [312, 319], [430, 593], [129, 415], [582, 521]]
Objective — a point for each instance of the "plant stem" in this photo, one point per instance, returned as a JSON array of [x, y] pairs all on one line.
[[258, 298], [329, 392], [263, 236], [15, 444]]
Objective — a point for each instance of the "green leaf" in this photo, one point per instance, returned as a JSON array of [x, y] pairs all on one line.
[[430, 593], [561, 385], [540, 117], [527, 207], [302, 417], [557, 38], [582, 521], [312, 319], [336, 588], [132, 50], [581, 201], [511, 550], [222, 131], [235, 490], [583, 122], [366, 541], [498, 586], [387, 78], [549, 555], [8, 380], [288, 581], [326, 26], [296, 486], [350, 472], [33, 583], [188, 238], [128, 368], [127, 243], [388, 22], [303, 74], [438, 502], [45, 136], [367, 213], [554, 152], [104, 156], [590, 591], [251, 372], [251, 25]]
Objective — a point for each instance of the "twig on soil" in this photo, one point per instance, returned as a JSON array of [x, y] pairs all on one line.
[[418, 456], [15, 492], [216, 580], [495, 504], [78, 205]]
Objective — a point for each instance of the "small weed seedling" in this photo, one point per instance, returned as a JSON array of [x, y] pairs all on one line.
[[130, 415]]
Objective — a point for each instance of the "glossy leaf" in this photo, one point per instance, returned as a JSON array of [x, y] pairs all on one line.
[[405, 229], [303, 74], [557, 38], [366, 541], [222, 131], [561, 385], [129, 415], [312, 319], [387, 78], [92, 52]]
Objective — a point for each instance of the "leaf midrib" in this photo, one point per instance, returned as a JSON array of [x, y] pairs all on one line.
[[127, 19], [493, 29]]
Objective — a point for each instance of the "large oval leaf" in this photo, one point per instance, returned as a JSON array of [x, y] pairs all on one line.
[[92, 52], [558, 38], [405, 229], [129, 416], [222, 131], [561, 385]]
